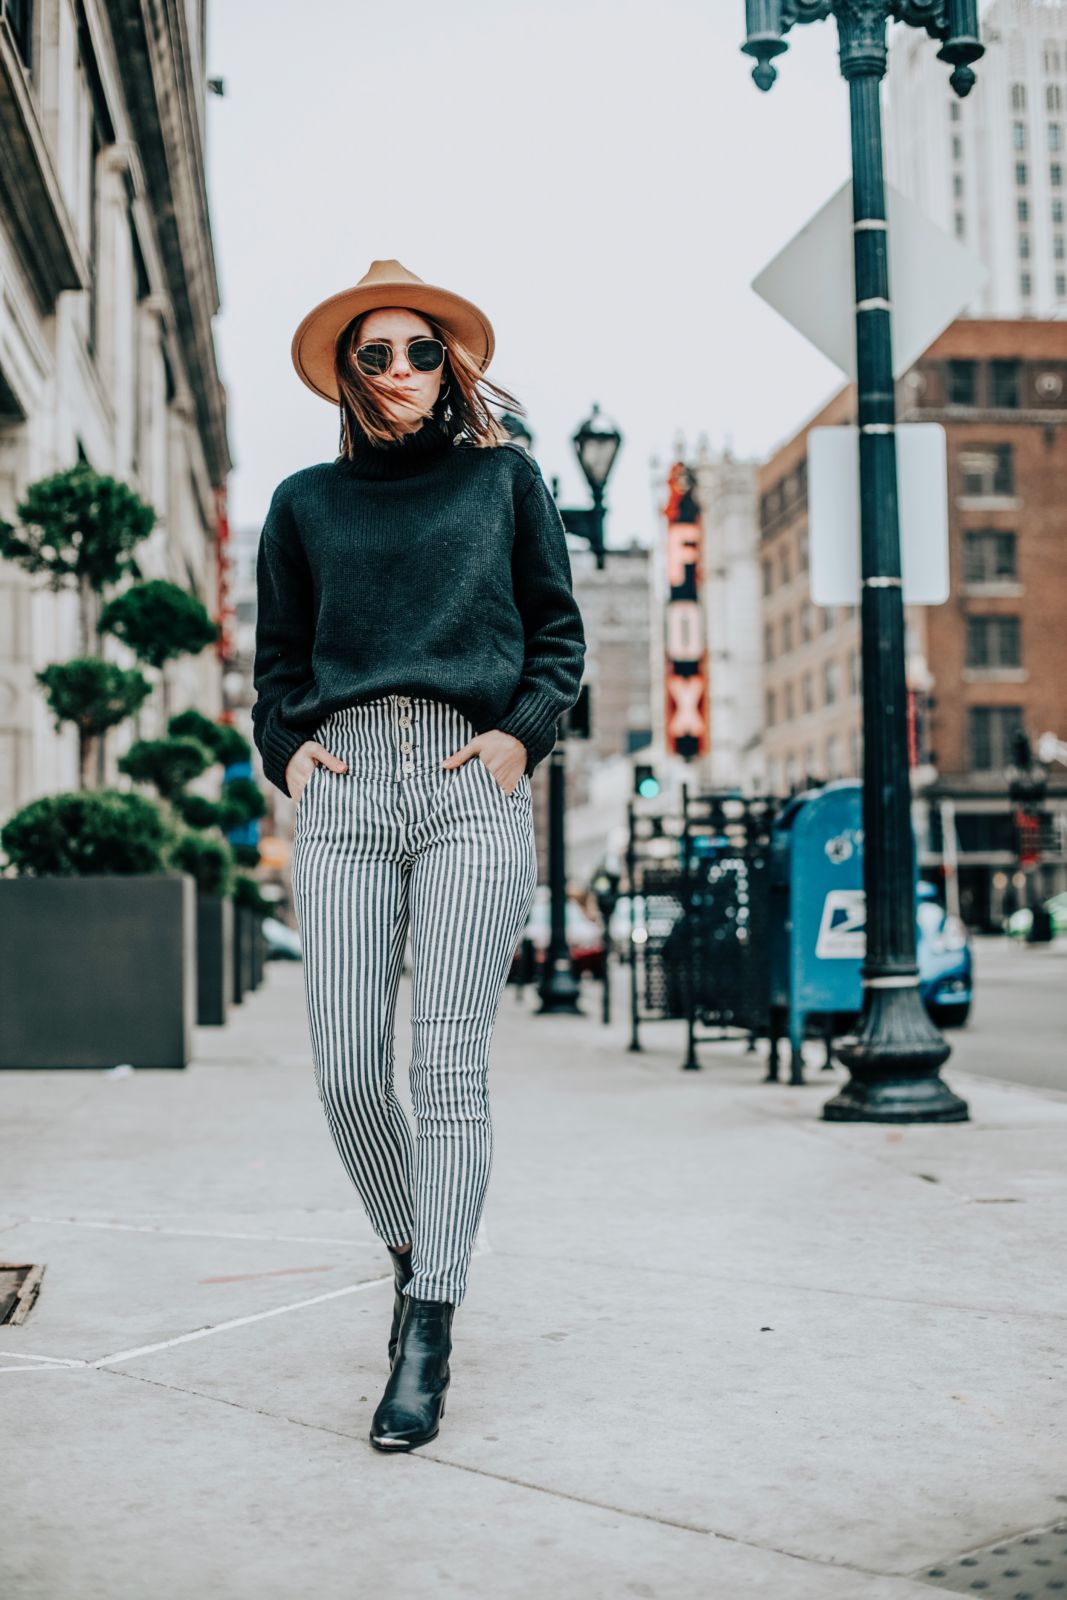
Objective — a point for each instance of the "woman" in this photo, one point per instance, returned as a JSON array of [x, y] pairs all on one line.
[[417, 639]]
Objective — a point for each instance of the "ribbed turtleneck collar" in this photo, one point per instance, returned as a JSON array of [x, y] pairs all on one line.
[[402, 458]]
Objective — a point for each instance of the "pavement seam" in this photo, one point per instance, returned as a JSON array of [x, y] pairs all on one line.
[[800, 1288], [700, 1529]]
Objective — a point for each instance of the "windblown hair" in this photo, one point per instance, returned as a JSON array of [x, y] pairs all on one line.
[[463, 388]]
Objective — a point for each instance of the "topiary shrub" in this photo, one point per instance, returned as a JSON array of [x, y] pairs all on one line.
[[85, 833], [243, 802], [209, 861], [246, 893], [93, 694], [168, 764]]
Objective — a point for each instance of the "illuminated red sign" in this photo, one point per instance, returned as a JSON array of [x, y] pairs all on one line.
[[686, 676]]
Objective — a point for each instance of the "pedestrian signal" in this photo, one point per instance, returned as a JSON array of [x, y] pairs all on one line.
[[646, 784]]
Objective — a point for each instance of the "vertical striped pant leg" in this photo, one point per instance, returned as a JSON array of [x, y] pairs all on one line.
[[471, 891], [350, 888]]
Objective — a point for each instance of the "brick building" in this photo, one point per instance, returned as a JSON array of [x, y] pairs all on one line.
[[994, 657]]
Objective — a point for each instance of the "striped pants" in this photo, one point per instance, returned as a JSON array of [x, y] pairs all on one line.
[[393, 845]]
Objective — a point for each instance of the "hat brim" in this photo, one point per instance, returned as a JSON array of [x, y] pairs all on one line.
[[315, 340]]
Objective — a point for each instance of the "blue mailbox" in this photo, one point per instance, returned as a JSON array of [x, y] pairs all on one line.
[[817, 915]]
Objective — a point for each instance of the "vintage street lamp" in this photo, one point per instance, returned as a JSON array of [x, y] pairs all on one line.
[[516, 429], [596, 444], [895, 1055]]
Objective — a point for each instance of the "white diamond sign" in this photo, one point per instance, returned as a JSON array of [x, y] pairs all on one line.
[[811, 282]]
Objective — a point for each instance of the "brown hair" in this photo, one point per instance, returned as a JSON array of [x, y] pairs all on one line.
[[462, 379]]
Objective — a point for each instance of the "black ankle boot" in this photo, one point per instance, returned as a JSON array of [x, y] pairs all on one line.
[[410, 1411], [402, 1271]]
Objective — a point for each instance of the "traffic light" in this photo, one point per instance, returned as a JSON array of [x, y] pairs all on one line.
[[1021, 755], [646, 784]]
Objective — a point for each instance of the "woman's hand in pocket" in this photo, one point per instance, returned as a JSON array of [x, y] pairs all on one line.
[[303, 762], [501, 752]]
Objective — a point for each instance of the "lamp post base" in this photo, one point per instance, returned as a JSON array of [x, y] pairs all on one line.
[[559, 989], [894, 1058]]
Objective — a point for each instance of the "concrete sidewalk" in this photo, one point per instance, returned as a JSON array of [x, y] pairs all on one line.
[[712, 1346]]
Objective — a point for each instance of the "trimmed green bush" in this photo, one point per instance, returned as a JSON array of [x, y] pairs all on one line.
[[159, 621], [169, 764], [83, 833], [246, 893], [209, 861]]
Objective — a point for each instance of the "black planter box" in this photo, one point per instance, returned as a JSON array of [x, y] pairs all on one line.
[[97, 971], [214, 959], [259, 951], [243, 960]]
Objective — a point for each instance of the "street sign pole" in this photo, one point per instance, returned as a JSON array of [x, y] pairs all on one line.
[[895, 1055]]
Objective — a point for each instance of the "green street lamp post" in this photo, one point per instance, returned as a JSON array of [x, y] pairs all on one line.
[[895, 1053], [596, 444]]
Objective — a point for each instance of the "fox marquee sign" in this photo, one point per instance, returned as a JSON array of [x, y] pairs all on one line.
[[686, 676]]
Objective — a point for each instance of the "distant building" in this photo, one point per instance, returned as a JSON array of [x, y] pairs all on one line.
[[994, 657], [106, 338], [991, 169]]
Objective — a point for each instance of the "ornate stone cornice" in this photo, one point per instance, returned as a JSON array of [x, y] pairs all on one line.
[[164, 110]]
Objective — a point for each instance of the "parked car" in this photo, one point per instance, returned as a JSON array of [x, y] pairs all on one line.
[[1018, 924], [282, 943], [946, 969], [585, 939]]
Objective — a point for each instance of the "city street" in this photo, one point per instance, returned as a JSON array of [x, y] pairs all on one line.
[[1018, 1028], [712, 1345]]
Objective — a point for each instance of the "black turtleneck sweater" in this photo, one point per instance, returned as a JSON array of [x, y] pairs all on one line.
[[426, 567]]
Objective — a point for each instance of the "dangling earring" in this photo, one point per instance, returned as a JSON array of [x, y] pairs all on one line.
[[448, 409]]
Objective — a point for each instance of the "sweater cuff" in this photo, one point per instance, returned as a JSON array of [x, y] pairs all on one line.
[[533, 720], [278, 748]]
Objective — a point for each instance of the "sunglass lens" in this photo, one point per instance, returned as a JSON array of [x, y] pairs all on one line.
[[426, 355], [374, 358]]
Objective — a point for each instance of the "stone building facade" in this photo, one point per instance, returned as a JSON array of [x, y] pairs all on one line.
[[108, 290]]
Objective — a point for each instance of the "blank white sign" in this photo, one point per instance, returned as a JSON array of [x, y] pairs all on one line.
[[834, 514]]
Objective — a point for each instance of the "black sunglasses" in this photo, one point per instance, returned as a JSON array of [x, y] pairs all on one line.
[[425, 355]]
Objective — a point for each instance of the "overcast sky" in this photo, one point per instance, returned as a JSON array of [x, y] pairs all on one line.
[[601, 177]]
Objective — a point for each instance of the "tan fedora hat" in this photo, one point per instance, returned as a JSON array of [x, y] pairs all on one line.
[[385, 283]]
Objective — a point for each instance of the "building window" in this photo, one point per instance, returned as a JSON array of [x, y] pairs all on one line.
[[19, 14], [1055, 136], [786, 571], [960, 225], [1020, 174], [769, 711], [1018, 97], [768, 642], [1022, 210], [831, 682], [790, 709], [855, 676], [1004, 384], [1025, 286], [1053, 97], [1024, 247], [957, 185], [963, 383], [987, 472], [954, 110], [993, 642], [827, 618], [989, 556], [805, 623], [990, 730], [957, 147], [787, 635], [1055, 175], [1052, 59], [833, 756], [1061, 285], [807, 692], [1018, 135], [768, 577], [855, 740], [802, 553], [1057, 211]]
